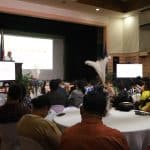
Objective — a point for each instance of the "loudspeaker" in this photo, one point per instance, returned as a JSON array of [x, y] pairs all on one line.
[[115, 62]]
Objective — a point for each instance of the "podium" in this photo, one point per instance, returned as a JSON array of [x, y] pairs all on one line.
[[18, 69]]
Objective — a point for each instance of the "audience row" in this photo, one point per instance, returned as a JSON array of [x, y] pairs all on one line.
[[91, 133]]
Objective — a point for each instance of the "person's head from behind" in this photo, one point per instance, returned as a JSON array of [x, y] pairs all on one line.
[[94, 103], [59, 81], [41, 105], [14, 92], [54, 84]]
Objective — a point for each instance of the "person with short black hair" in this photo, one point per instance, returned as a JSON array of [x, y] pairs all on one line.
[[57, 99], [41, 102], [13, 109], [34, 125], [91, 133]]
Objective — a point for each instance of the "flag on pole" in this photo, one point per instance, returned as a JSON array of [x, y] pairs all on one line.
[[101, 44], [105, 54], [2, 46]]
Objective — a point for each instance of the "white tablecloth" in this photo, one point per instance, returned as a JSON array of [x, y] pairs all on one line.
[[52, 113], [135, 128]]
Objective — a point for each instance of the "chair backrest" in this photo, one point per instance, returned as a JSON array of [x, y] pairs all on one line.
[[29, 144], [8, 137]]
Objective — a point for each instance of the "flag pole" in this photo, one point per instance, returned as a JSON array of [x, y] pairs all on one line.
[[2, 46]]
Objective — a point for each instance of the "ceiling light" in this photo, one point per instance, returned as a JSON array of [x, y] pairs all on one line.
[[97, 9]]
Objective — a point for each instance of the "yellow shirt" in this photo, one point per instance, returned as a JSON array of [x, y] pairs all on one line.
[[145, 95], [39, 129], [146, 107]]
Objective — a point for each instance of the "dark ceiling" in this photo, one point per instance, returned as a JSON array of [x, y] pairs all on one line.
[[118, 5]]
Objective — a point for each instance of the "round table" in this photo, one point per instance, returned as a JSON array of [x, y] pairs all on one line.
[[136, 128]]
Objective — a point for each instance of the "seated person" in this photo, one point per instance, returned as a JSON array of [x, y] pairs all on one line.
[[34, 125], [61, 89], [13, 109], [110, 88], [76, 96], [91, 133], [144, 104], [57, 99]]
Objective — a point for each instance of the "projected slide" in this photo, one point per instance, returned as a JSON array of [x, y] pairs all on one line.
[[34, 53], [129, 70]]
